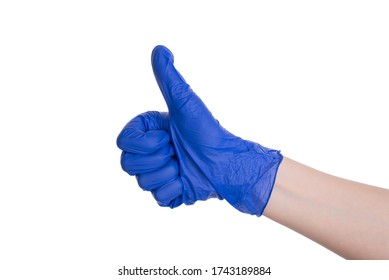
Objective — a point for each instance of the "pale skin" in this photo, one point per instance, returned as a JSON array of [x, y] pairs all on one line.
[[349, 218]]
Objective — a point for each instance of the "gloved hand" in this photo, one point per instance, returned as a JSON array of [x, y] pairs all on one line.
[[185, 155]]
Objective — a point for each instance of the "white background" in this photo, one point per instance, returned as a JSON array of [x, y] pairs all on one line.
[[309, 78]]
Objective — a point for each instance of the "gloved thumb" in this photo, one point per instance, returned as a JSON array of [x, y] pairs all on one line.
[[174, 88]]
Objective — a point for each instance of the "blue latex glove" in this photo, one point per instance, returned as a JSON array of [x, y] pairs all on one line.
[[185, 155]]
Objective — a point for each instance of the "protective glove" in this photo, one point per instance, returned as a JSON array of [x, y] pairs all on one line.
[[185, 155]]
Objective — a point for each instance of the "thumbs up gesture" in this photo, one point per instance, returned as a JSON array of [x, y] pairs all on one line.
[[185, 155]]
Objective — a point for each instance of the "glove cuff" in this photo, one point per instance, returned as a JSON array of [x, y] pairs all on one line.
[[259, 165]]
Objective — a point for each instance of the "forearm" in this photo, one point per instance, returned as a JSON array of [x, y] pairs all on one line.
[[349, 218]]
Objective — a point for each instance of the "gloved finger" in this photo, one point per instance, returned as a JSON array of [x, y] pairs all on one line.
[[144, 134], [176, 202], [185, 107], [174, 88], [157, 178], [166, 194], [135, 164]]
